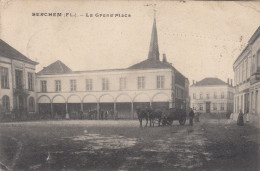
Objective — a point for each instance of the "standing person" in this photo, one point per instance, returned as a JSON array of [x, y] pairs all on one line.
[[240, 119], [191, 115]]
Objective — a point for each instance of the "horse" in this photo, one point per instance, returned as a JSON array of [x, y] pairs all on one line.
[[142, 114], [154, 114]]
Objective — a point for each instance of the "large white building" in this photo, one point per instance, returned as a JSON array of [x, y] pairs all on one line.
[[212, 95], [61, 91], [17, 83], [247, 80]]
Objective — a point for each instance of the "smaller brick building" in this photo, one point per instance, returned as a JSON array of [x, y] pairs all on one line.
[[212, 95]]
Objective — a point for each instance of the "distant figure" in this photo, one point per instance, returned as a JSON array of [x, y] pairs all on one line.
[[191, 115], [80, 115], [102, 114], [240, 119]]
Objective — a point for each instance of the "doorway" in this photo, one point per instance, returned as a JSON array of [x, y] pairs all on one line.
[[207, 107]]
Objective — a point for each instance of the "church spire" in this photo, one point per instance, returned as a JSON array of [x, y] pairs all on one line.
[[154, 49]]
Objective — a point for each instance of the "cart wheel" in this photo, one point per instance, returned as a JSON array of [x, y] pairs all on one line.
[[182, 120]]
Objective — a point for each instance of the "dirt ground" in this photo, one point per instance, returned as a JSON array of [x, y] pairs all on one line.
[[121, 145]]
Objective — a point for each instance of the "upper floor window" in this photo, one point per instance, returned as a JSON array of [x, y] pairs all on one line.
[[4, 78], [160, 81], [201, 96], [89, 84], [43, 86], [140, 82], [246, 66], [6, 104], [215, 95], [105, 84], [30, 81], [73, 85], [222, 95], [258, 60], [31, 104], [57, 85], [122, 83], [207, 95], [194, 95], [221, 106]]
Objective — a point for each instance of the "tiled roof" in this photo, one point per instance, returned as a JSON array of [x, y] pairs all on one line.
[[55, 68], [150, 63], [9, 52], [210, 81]]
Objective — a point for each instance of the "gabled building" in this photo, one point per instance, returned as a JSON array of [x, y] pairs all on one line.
[[18, 89], [152, 82], [247, 80], [212, 95]]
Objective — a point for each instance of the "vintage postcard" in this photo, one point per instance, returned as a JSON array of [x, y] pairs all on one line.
[[129, 85]]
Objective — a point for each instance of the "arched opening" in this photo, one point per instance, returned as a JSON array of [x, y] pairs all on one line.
[[74, 106], [106, 106], [141, 101], [59, 106], [90, 106], [160, 100], [123, 106], [44, 106]]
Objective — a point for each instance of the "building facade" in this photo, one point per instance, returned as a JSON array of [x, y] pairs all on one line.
[[247, 80], [212, 95], [18, 82], [59, 91]]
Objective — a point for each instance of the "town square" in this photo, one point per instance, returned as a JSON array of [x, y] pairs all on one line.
[[126, 85]]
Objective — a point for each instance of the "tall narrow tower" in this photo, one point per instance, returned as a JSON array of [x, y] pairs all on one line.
[[154, 48]]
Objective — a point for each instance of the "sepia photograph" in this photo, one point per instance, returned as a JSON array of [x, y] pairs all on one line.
[[129, 85]]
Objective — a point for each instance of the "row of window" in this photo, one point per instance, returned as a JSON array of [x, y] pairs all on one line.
[[215, 106], [247, 67], [6, 104], [215, 96], [160, 81], [18, 79]]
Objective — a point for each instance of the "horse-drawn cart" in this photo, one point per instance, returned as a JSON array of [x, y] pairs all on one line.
[[173, 114]]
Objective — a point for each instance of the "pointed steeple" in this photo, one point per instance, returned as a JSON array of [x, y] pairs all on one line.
[[154, 48]]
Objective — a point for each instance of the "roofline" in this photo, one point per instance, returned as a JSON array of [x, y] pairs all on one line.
[[30, 62], [250, 41], [247, 46], [103, 70], [254, 36]]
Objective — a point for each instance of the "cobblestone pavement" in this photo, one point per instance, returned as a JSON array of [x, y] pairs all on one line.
[[122, 145]]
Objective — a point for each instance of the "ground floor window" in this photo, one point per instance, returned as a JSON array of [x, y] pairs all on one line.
[[215, 106], [5, 104], [201, 106]]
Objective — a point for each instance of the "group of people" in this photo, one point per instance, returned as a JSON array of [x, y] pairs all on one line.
[[192, 115]]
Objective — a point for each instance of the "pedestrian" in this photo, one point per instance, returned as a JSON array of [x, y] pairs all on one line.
[[240, 119], [191, 115]]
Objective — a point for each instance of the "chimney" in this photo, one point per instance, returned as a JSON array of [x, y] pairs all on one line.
[[231, 82], [228, 81], [164, 58]]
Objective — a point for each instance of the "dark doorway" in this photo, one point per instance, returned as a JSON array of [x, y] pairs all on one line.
[[207, 107]]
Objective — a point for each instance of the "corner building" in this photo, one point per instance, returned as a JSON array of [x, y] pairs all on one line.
[[247, 81], [152, 82], [18, 83]]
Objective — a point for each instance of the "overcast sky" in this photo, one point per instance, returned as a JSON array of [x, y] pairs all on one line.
[[201, 39]]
